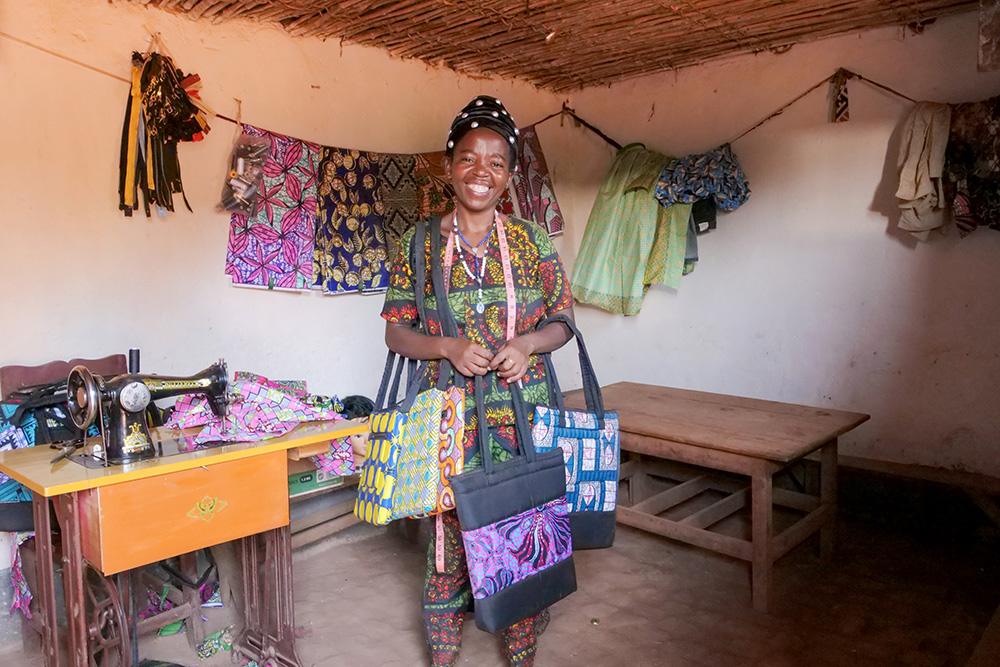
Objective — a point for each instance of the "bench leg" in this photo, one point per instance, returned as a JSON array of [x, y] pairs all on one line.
[[828, 497], [763, 539], [638, 484]]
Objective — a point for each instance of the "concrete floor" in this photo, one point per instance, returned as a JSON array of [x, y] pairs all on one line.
[[892, 597]]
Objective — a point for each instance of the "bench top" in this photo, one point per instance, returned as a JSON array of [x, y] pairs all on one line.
[[781, 432]]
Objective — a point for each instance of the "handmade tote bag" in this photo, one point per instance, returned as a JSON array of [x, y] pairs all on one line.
[[386, 433], [513, 514], [590, 444], [515, 528], [430, 458], [415, 444]]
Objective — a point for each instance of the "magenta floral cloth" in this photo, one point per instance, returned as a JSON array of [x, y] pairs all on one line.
[[339, 460], [508, 551], [22, 594], [535, 196], [273, 247], [260, 409]]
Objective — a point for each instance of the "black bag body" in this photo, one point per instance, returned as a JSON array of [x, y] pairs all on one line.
[[490, 496]]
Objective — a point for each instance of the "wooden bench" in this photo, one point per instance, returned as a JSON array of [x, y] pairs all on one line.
[[714, 432]]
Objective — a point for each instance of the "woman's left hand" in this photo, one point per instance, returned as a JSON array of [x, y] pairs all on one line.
[[511, 360]]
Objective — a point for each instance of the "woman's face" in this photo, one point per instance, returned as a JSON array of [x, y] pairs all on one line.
[[480, 169]]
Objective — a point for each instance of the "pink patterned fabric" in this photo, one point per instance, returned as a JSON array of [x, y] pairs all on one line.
[[260, 409], [22, 594], [535, 196], [339, 460], [508, 551], [273, 247]]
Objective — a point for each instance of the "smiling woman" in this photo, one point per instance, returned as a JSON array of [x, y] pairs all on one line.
[[502, 277]]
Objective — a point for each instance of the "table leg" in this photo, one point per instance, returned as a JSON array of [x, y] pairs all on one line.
[[46, 579], [762, 536], [269, 623], [828, 497], [67, 510]]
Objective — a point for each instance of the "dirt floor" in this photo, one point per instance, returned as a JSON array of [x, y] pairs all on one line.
[[894, 595]]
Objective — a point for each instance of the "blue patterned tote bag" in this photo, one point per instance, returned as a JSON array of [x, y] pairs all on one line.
[[591, 448]]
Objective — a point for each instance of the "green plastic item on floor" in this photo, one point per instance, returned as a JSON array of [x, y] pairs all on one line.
[[174, 628], [158, 663]]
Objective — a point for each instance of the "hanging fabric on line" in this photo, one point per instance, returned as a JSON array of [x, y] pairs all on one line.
[[329, 218], [163, 108], [630, 241], [273, 247], [642, 229]]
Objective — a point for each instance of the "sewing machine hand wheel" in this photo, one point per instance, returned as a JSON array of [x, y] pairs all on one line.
[[83, 396]]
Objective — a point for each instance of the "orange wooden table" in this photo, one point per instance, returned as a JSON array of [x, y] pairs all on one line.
[[715, 432], [123, 517]]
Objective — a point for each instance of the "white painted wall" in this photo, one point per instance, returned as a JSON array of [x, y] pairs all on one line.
[[807, 293], [801, 295]]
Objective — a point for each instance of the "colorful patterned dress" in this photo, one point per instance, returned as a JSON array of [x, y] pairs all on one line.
[[541, 288]]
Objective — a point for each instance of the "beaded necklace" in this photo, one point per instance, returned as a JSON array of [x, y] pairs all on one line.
[[508, 274], [478, 261]]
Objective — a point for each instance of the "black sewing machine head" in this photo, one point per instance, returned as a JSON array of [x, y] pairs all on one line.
[[120, 403]]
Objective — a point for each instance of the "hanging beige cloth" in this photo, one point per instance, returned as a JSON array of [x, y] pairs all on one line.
[[921, 162]]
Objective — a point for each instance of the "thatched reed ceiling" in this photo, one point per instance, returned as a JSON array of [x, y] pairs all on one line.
[[569, 44]]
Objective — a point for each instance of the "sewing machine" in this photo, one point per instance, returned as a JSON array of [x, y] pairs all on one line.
[[118, 405]]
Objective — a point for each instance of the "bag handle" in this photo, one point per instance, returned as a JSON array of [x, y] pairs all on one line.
[[521, 429], [394, 370], [591, 387]]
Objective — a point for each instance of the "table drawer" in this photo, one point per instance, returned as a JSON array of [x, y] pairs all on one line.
[[142, 521]]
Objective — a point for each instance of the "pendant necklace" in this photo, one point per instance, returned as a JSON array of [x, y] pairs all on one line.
[[479, 263]]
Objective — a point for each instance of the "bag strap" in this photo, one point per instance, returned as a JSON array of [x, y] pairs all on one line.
[[521, 429], [591, 387]]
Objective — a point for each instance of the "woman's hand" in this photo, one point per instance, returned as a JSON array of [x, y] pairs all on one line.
[[467, 357], [511, 360]]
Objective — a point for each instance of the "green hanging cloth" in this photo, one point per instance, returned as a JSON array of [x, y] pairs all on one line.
[[631, 240]]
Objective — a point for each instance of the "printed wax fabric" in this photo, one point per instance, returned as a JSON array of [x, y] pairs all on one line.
[[631, 241], [273, 247], [417, 470], [714, 174], [331, 218], [259, 410], [972, 164], [21, 598], [14, 437], [350, 253], [339, 460], [378, 474], [446, 597], [541, 289], [535, 196]]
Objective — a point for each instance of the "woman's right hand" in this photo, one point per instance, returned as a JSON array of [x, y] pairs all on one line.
[[467, 357]]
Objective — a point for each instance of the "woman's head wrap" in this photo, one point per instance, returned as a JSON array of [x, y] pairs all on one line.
[[488, 112]]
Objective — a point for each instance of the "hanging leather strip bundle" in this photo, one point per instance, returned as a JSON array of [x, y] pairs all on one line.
[[163, 108]]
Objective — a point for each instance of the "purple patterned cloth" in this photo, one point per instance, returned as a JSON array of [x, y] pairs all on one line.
[[535, 196], [508, 551], [273, 247]]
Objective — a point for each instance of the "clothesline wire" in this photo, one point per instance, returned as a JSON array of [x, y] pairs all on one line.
[[847, 74], [565, 109], [572, 114]]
